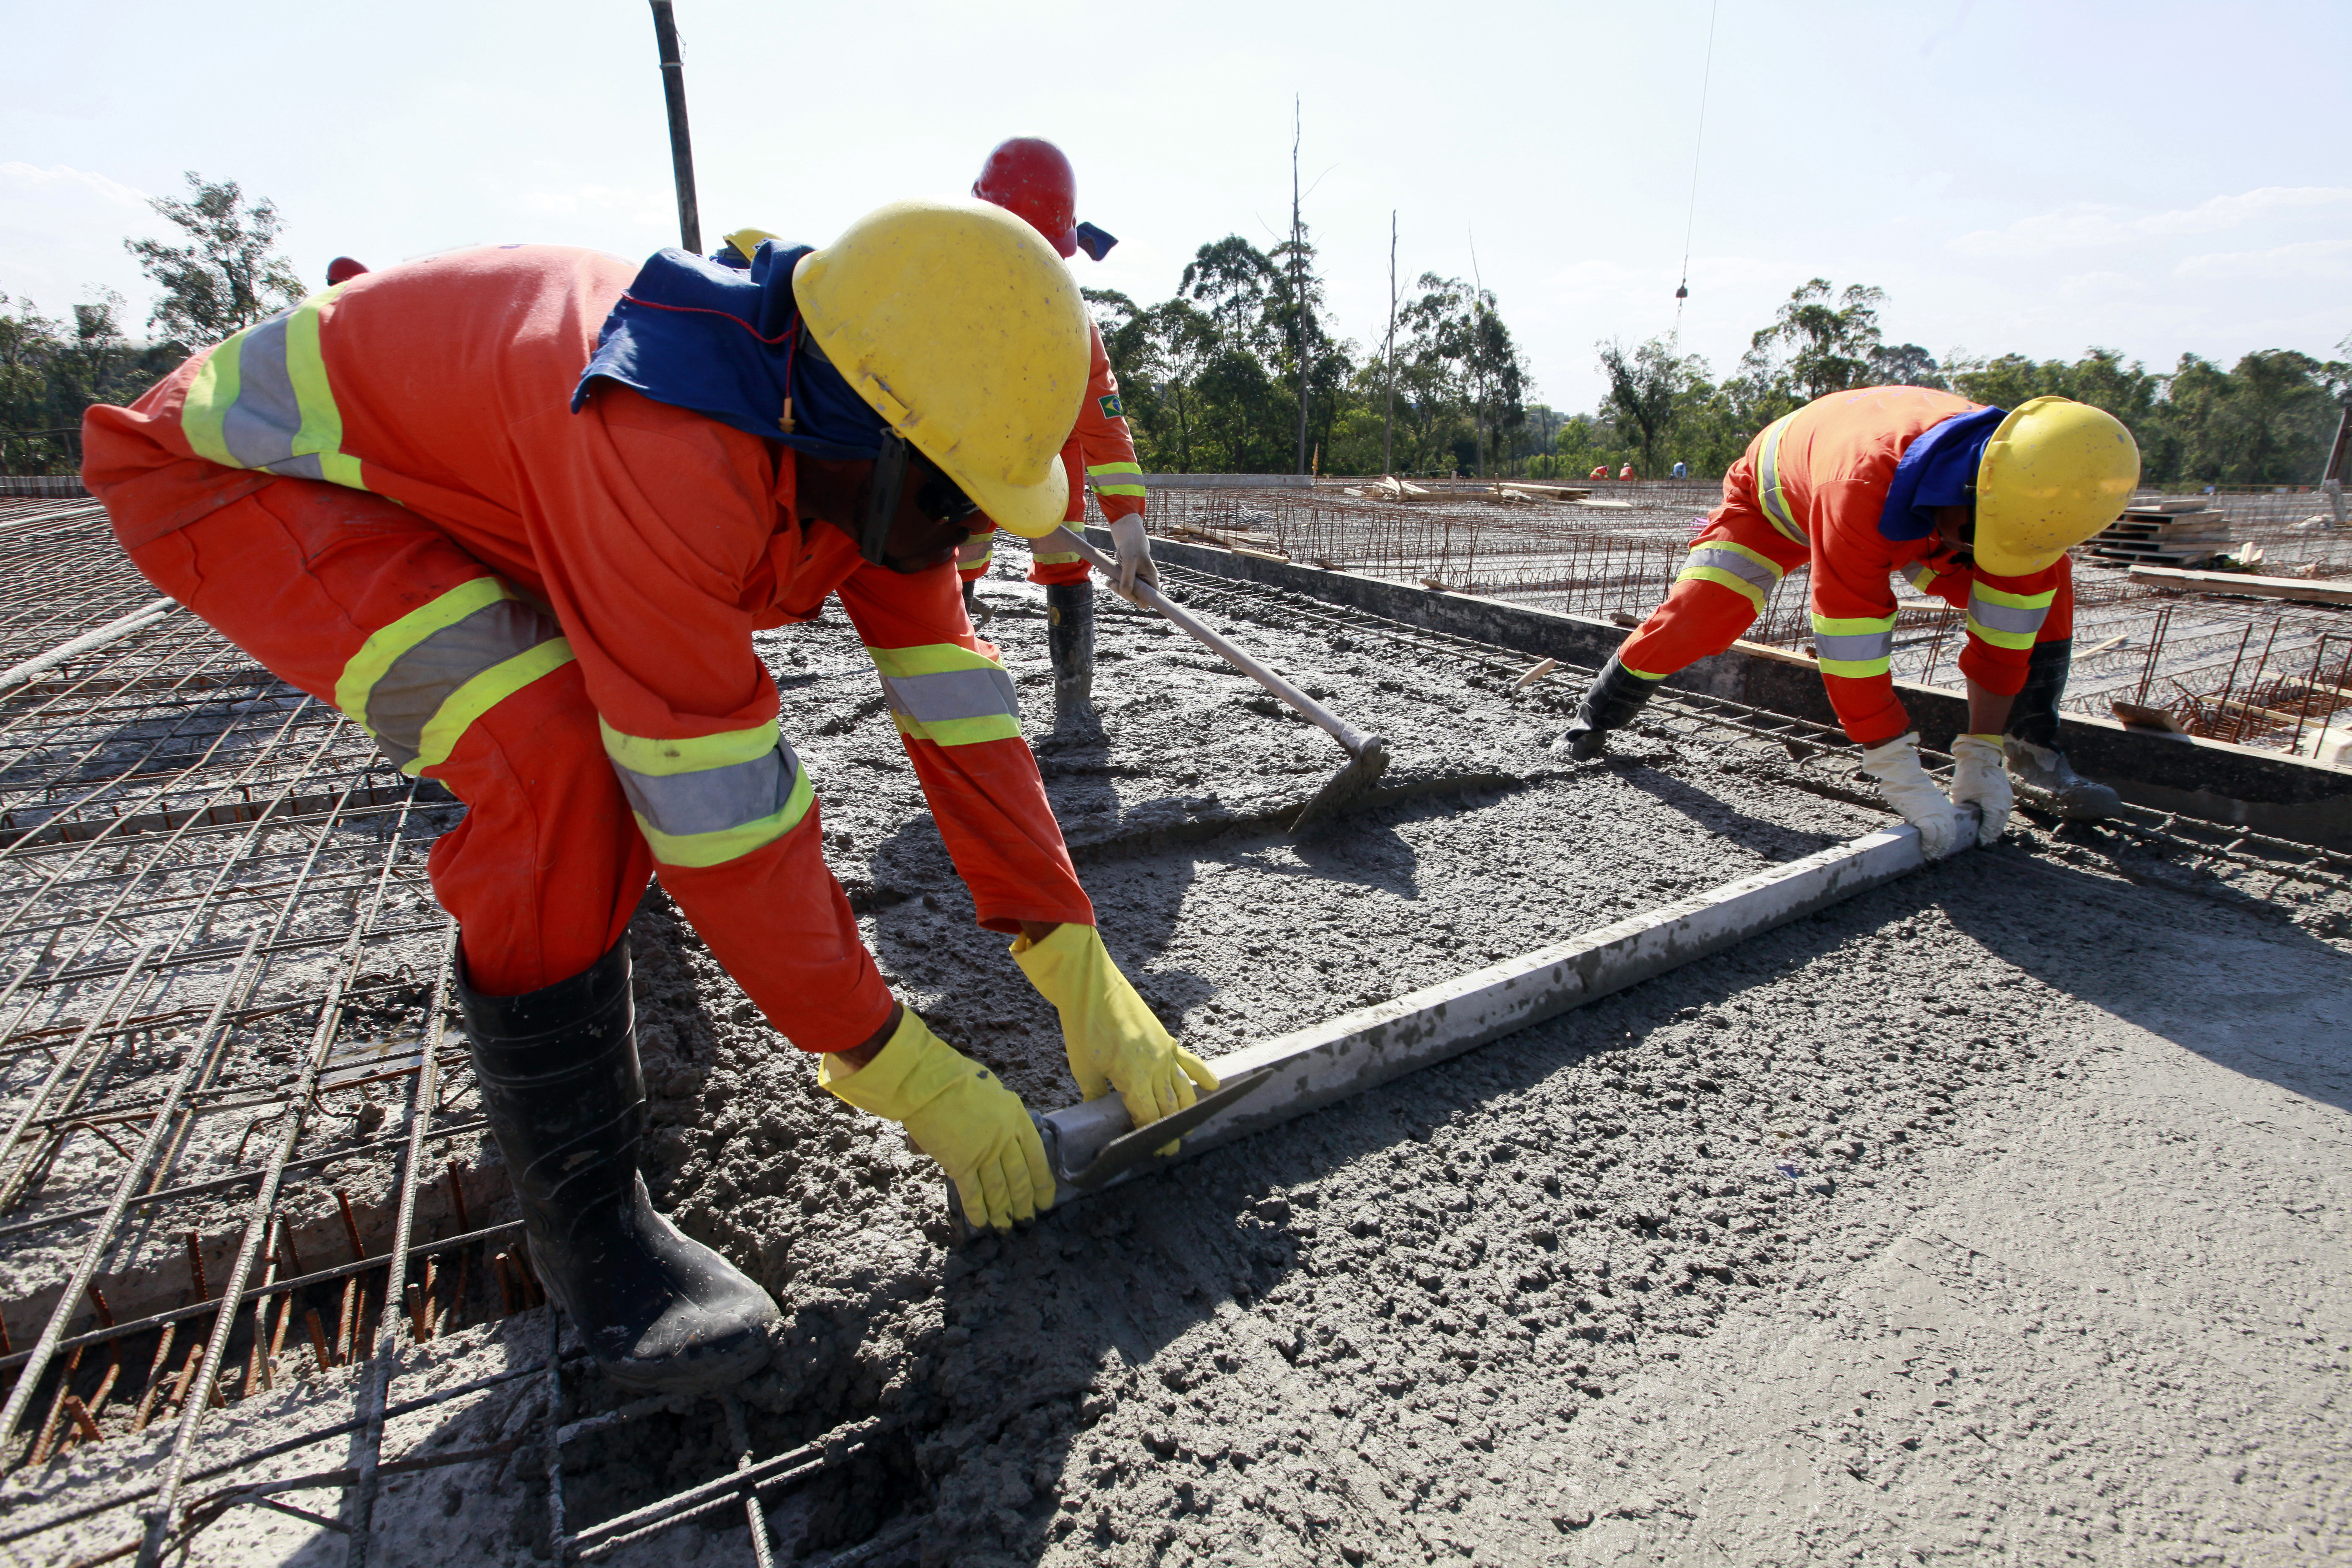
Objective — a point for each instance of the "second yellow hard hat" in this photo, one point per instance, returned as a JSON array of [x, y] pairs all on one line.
[[2054, 474], [957, 323]]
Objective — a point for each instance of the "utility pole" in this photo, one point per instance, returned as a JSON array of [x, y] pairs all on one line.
[[681, 151], [1388, 423], [1298, 281], [1477, 346]]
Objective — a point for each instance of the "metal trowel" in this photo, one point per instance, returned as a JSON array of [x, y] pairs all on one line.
[[1130, 1150]]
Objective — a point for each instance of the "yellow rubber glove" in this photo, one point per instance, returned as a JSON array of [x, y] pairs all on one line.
[[1111, 1037], [961, 1115]]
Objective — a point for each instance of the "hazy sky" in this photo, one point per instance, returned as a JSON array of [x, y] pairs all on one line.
[[2152, 177]]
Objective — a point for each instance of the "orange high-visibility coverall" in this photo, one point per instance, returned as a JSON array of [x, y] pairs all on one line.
[[1100, 449], [1599, 471], [553, 613], [1810, 490], [1626, 472]]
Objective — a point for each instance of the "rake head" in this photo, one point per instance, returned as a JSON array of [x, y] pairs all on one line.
[[1346, 788]]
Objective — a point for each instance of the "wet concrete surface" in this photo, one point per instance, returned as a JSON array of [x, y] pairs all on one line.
[[1999, 1210]]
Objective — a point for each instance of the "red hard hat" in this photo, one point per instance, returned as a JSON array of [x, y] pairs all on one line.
[[1029, 177], [342, 269]]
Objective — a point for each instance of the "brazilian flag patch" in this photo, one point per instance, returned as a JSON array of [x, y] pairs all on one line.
[[1110, 406]]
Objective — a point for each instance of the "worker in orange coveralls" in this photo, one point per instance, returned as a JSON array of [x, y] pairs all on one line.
[[1975, 505], [1626, 472], [517, 512], [1030, 177], [1599, 471]]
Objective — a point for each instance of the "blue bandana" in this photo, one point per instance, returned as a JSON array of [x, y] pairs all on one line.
[[728, 342], [1936, 470]]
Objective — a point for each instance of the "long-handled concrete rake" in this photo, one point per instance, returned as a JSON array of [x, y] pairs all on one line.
[[1367, 755]]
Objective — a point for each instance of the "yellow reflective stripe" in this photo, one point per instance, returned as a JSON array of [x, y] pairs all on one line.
[[1116, 473], [323, 422], [376, 655], [1991, 594], [961, 731], [2002, 637], [716, 848], [1643, 674], [1758, 556], [1721, 578], [1770, 494], [1923, 579], [1839, 639], [479, 695], [1062, 558], [211, 395], [1853, 626], [928, 659], [664, 758]]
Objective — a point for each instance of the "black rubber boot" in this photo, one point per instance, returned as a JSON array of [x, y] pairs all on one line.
[[1615, 696], [978, 614], [1070, 643], [560, 1082], [2032, 745]]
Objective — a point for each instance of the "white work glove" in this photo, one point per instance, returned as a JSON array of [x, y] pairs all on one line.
[[1910, 790], [1134, 548], [1981, 776]]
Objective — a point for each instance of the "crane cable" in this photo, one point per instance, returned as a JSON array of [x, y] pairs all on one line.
[[1690, 222]]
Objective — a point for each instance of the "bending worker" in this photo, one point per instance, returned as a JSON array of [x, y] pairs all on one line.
[[518, 511], [1976, 506]]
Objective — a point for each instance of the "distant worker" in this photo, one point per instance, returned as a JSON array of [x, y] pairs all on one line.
[[1975, 505], [1626, 472], [1030, 178], [518, 512], [1681, 470], [1599, 471]]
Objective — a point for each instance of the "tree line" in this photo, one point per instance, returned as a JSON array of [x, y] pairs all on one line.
[[1240, 372]]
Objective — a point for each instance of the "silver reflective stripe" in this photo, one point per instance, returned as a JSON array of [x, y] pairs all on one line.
[[1738, 565], [951, 694], [1859, 648], [2001, 617], [411, 690], [713, 799], [259, 428]]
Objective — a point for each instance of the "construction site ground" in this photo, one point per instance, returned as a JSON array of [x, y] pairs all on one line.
[[2000, 1211]]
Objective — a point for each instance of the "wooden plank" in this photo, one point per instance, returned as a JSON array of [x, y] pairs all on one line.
[[2301, 590]]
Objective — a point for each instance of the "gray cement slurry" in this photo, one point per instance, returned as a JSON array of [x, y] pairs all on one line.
[[1999, 1210]]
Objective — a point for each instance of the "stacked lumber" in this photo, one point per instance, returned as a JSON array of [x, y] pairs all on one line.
[[1240, 541], [2183, 533], [2243, 585]]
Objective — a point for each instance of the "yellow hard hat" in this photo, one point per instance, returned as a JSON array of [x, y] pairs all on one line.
[[2056, 473], [957, 323]]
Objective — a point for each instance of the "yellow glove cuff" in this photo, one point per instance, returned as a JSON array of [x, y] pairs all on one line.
[[913, 1068]]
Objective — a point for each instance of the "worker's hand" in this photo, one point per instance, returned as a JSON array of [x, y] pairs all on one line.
[[1910, 790], [1134, 548], [1112, 1039], [960, 1114], [1981, 777]]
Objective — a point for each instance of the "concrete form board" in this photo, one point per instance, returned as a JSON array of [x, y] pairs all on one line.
[[1344, 1056], [2211, 780]]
